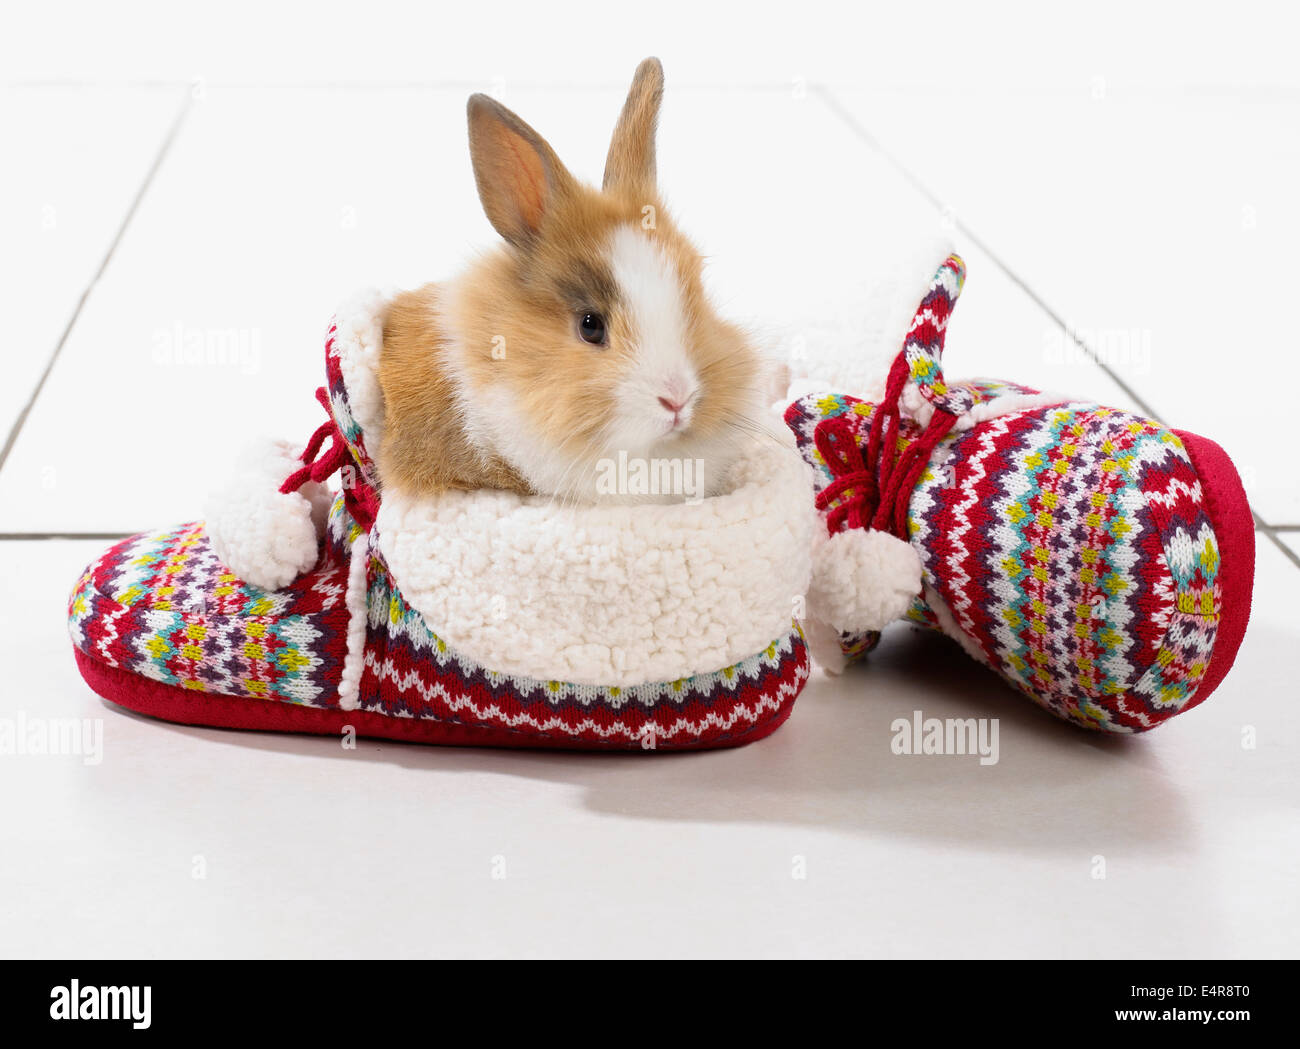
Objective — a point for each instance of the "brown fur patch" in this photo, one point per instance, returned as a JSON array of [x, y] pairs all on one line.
[[424, 448]]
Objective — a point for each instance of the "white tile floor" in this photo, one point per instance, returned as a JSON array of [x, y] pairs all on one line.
[[1164, 248], [62, 204]]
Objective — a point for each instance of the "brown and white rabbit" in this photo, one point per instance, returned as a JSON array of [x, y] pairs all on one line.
[[586, 334]]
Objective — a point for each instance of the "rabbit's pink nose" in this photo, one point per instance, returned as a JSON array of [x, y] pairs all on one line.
[[676, 407]]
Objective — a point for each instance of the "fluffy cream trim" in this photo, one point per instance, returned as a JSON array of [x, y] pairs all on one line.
[[265, 537], [358, 341], [611, 595], [862, 579], [354, 661], [848, 343]]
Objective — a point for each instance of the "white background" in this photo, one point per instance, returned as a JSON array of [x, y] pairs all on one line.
[[1126, 170]]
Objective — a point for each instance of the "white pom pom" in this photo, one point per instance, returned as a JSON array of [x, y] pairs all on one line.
[[862, 580], [264, 536], [823, 642]]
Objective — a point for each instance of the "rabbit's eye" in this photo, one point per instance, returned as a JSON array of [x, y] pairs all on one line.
[[591, 327]]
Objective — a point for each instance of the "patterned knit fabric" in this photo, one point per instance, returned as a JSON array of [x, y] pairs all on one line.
[[1067, 545], [341, 409], [162, 606]]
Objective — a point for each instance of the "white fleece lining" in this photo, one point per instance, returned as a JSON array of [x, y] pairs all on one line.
[[358, 340], [358, 617], [610, 595], [921, 410], [848, 341]]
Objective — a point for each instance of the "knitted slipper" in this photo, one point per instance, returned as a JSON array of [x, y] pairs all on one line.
[[1098, 561], [479, 618]]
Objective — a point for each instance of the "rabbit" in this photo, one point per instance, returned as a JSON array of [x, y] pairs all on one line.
[[584, 336]]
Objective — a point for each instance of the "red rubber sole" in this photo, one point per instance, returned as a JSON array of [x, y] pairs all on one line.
[[187, 707], [1234, 529]]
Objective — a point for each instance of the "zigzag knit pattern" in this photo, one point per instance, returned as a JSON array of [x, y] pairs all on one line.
[[1070, 543], [161, 605]]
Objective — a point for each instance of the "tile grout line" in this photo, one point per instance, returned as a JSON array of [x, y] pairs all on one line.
[[833, 103], [856, 126], [1290, 554], [21, 419]]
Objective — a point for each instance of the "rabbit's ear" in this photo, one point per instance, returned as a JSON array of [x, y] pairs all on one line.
[[631, 161], [517, 173]]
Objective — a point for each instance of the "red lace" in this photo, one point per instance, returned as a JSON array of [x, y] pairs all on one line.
[[361, 499], [871, 489]]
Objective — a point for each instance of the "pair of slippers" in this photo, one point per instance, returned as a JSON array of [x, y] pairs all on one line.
[[1099, 562]]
